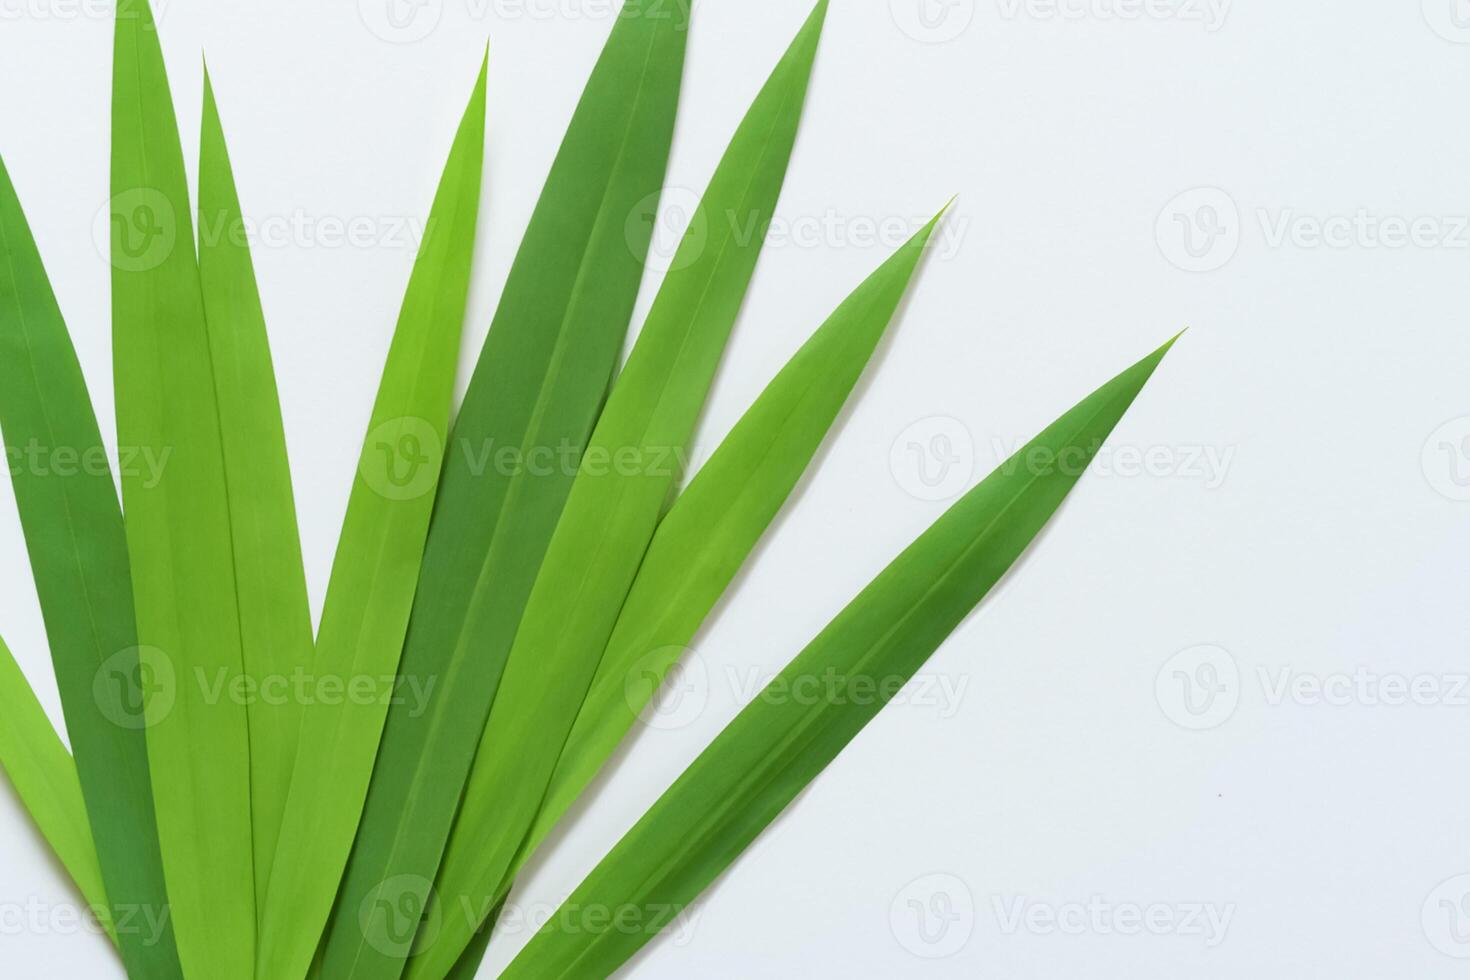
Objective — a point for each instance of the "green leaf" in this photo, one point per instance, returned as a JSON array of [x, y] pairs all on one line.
[[45, 777], [539, 385], [377, 567], [275, 618], [620, 493], [779, 744], [716, 523], [74, 533], [178, 522]]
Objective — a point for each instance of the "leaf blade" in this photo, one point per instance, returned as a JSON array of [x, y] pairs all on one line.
[[275, 617], [776, 746], [74, 533], [45, 777], [377, 566], [177, 525]]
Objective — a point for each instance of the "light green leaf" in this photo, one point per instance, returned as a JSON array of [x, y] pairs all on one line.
[[178, 522], [74, 533], [45, 777], [539, 385], [376, 570], [779, 744], [275, 618], [620, 493], [715, 524]]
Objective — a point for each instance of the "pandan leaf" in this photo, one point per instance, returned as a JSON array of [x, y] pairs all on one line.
[[275, 618], [74, 533], [536, 391], [615, 504], [178, 521], [377, 567], [45, 778], [717, 521], [779, 744]]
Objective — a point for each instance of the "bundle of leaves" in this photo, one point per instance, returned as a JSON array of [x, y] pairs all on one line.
[[219, 833]]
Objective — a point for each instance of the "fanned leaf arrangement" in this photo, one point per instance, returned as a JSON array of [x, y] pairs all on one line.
[[527, 566]]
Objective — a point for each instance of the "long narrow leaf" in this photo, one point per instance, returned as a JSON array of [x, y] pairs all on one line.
[[275, 618], [178, 523], [539, 384], [376, 570], [778, 744], [715, 524], [615, 504], [74, 533], [45, 778]]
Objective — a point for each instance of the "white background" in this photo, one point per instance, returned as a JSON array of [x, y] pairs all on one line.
[[1300, 517]]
